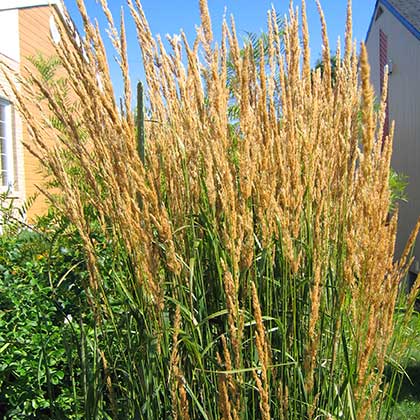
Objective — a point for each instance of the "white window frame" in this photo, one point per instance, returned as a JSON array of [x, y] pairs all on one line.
[[8, 147]]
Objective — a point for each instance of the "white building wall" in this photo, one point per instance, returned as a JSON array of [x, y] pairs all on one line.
[[10, 56], [404, 109], [9, 34]]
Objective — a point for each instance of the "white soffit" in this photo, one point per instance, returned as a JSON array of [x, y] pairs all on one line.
[[9, 34], [22, 4]]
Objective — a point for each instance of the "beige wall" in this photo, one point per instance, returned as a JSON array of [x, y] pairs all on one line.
[[404, 109]]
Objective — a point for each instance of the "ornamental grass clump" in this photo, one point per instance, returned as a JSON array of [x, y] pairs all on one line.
[[251, 271]]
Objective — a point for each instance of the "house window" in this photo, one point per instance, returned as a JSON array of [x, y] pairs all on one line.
[[54, 32], [6, 149]]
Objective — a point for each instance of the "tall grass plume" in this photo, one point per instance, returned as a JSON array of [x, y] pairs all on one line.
[[253, 271]]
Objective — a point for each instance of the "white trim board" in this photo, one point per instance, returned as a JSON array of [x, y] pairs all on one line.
[[22, 4]]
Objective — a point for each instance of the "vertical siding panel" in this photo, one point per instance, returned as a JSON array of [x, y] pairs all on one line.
[[403, 106]]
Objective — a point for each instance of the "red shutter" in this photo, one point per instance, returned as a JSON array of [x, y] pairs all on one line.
[[383, 61]]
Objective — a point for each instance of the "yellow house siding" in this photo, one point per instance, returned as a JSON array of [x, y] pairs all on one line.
[[34, 32]]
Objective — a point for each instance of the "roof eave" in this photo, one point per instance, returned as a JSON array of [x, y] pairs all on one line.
[[25, 4], [414, 31], [371, 21]]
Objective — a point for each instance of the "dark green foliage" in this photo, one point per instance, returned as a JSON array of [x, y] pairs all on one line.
[[333, 62], [40, 300], [397, 184]]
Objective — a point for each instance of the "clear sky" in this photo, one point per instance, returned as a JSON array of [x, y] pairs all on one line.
[[169, 16]]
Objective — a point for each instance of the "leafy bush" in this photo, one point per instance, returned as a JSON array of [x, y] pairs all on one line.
[[40, 293], [397, 185]]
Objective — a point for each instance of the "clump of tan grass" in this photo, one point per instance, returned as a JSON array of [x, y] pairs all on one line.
[[270, 235]]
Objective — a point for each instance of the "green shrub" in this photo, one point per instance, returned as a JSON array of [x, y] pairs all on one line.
[[41, 276]]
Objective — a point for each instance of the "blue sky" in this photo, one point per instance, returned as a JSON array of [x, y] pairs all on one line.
[[169, 16]]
